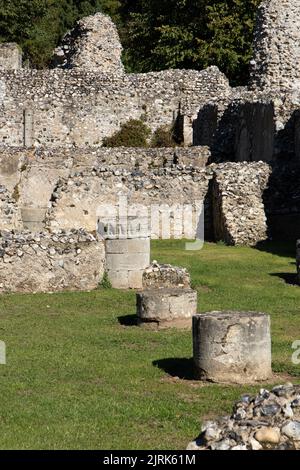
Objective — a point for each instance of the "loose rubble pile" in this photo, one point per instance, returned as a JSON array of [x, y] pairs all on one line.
[[165, 276], [267, 421], [39, 262]]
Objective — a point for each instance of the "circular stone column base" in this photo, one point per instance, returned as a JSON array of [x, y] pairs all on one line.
[[232, 347], [166, 308]]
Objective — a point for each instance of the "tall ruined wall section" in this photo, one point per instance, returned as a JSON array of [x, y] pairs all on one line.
[[239, 213], [10, 56], [93, 44], [86, 96], [276, 62]]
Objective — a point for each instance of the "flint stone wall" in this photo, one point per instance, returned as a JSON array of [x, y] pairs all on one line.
[[238, 210], [43, 262], [80, 107], [277, 46], [282, 202], [254, 126], [84, 199], [92, 96], [31, 176], [93, 44], [10, 214], [72, 189]]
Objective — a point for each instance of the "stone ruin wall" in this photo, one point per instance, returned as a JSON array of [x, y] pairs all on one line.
[[47, 181], [81, 107], [88, 96], [82, 199], [276, 60], [65, 189], [237, 194], [93, 44], [43, 262], [261, 121]]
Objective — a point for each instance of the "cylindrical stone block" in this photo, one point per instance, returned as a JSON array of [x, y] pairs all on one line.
[[167, 307], [126, 260], [232, 347]]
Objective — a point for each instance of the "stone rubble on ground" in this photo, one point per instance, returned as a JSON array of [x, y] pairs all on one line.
[[268, 421]]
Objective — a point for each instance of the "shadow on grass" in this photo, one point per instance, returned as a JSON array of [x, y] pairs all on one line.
[[289, 278], [182, 368], [128, 320], [285, 249]]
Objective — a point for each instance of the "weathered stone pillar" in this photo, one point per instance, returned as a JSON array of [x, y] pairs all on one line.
[[233, 347], [10, 56], [188, 131], [167, 307], [275, 61], [168, 300], [126, 260]]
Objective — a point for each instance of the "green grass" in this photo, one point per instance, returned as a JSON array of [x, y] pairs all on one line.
[[76, 378]]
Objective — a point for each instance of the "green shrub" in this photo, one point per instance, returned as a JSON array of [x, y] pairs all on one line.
[[105, 283], [164, 137], [133, 133]]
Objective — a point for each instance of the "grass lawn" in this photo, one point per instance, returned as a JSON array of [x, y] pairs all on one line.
[[79, 376]]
